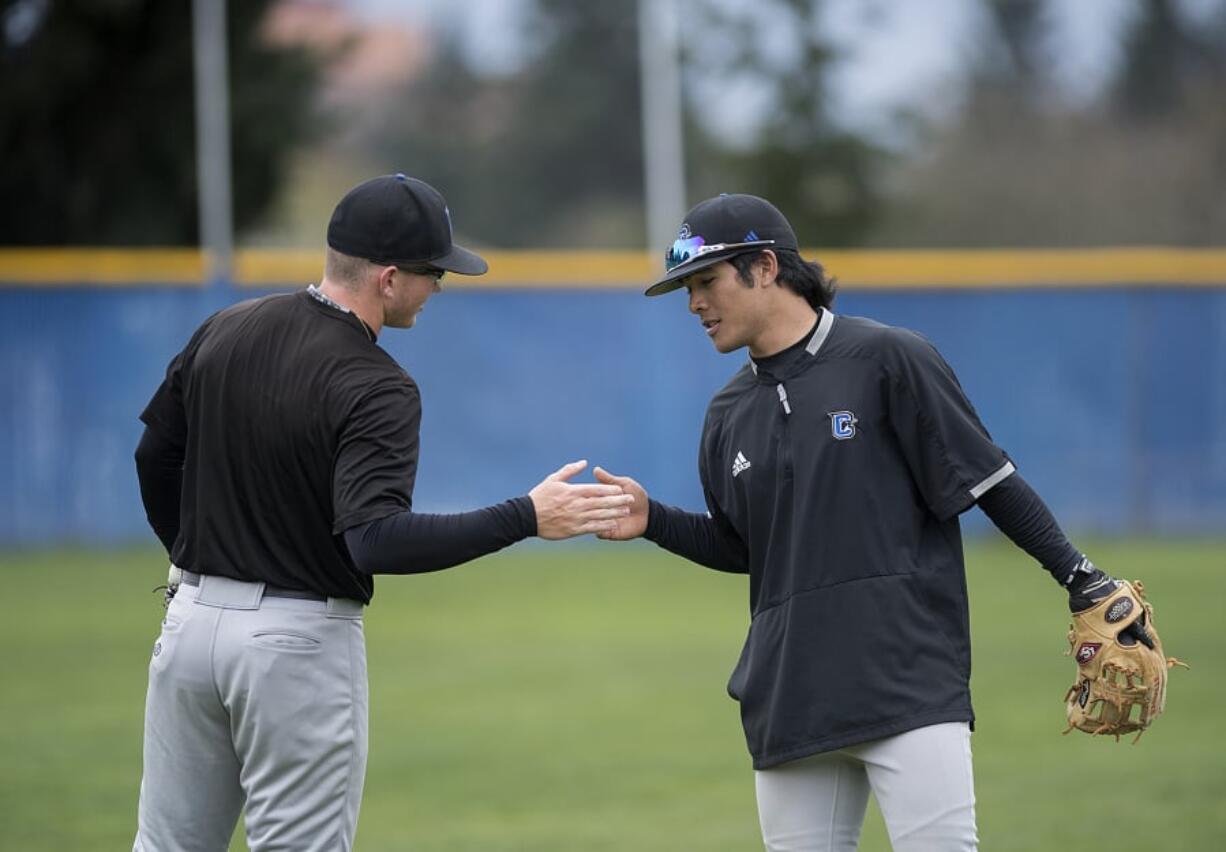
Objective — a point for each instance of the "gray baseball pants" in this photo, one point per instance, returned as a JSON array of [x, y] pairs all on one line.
[[255, 702], [922, 780]]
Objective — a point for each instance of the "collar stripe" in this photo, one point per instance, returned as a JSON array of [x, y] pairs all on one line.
[[815, 342], [823, 331]]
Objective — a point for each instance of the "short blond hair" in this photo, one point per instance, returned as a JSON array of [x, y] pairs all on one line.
[[345, 269]]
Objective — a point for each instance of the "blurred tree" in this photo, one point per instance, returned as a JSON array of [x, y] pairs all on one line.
[[823, 176], [1165, 58], [97, 119], [551, 154], [546, 156], [1167, 101], [1023, 165], [1019, 27]]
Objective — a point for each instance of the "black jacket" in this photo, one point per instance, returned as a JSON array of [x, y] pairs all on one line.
[[838, 471]]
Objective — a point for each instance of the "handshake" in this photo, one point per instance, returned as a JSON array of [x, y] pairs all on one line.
[[613, 507]]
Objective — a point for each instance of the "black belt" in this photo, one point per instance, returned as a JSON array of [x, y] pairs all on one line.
[[191, 578]]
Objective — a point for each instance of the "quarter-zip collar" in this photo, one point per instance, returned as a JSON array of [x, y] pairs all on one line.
[[783, 364]]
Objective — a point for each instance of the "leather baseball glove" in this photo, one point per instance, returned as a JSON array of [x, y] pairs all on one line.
[[1121, 669]]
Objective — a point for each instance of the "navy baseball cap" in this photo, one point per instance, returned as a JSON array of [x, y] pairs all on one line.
[[720, 228], [399, 221]]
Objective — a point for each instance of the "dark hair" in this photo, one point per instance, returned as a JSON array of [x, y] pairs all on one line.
[[805, 278]]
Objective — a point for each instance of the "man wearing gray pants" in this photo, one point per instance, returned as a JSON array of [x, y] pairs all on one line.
[[277, 467]]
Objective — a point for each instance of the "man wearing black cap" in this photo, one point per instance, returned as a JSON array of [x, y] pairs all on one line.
[[834, 466], [277, 467]]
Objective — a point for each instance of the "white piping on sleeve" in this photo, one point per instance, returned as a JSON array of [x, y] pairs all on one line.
[[1006, 470]]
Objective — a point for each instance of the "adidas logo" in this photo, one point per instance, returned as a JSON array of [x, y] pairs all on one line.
[[739, 464]]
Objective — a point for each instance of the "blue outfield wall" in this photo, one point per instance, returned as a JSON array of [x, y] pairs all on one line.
[[1112, 401]]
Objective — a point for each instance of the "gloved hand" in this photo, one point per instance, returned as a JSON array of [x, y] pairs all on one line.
[[1087, 585], [1121, 668]]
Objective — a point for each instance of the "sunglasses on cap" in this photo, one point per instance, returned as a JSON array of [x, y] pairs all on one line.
[[684, 251]]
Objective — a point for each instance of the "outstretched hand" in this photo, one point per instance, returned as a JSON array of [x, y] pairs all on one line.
[[565, 509], [633, 524]]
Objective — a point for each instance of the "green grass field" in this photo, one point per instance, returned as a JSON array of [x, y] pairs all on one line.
[[573, 699]]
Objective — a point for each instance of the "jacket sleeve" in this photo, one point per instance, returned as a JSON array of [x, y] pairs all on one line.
[[950, 454]]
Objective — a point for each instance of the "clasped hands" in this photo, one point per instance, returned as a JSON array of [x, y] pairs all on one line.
[[613, 507]]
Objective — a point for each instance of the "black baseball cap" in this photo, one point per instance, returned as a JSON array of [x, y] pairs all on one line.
[[720, 228], [399, 221]]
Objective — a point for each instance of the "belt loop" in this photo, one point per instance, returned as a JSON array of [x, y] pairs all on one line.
[[343, 608], [229, 594]]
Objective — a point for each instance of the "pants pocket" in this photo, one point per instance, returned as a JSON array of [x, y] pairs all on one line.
[[286, 639]]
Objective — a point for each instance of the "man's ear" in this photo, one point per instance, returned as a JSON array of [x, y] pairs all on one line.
[[766, 265], [386, 274]]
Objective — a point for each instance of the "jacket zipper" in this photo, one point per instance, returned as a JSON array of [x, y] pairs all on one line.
[[785, 436]]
